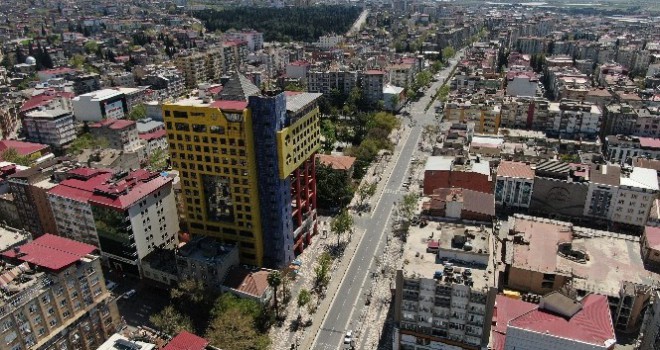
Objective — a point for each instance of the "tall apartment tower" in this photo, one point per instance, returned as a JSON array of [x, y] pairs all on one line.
[[247, 169], [54, 297]]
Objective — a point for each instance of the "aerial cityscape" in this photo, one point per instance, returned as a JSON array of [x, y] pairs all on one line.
[[332, 175]]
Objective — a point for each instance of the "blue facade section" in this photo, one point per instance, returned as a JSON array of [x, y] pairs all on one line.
[[269, 116]]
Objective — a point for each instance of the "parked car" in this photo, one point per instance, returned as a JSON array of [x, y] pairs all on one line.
[[348, 339], [129, 294]]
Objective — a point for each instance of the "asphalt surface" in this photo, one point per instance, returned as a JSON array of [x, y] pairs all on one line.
[[346, 309]]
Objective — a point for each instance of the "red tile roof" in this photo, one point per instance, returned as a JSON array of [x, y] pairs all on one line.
[[229, 105], [515, 169], [246, 281], [51, 252], [158, 134], [649, 142], [506, 309], [591, 325], [114, 124], [100, 190], [23, 148], [43, 99], [186, 341], [336, 162]]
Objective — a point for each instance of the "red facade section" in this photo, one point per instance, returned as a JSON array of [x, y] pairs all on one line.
[[303, 196]]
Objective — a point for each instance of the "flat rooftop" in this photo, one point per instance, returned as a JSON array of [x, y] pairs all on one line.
[[613, 258], [425, 264], [11, 237], [119, 342]]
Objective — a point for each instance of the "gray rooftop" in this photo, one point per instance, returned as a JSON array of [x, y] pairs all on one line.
[[298, 101], [238, 88]]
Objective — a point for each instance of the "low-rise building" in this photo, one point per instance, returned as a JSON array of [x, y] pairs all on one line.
[[207, 260], [249, 284], [561, 322], [514, 185], [459, 203], [622, 148], [457, 172], [120, 134]]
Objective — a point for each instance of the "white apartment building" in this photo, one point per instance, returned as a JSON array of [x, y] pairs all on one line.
[[637, 191], [132, 213], [329, 41], [572, 118], [433, 314], [98, 105], [621, 148], [54, 127], [514, 185], [326, 81]]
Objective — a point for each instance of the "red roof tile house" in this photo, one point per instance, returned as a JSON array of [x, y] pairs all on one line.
[[249, 283], [560, 322], [60, 280], [337, 162], [186, 341]]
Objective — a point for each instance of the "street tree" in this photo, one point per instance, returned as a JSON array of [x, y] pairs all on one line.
[[408, 206], [366, 190], [322, 272], [341, 224], [274, 281], [158, 159], [334, 188], [171, 321], [448, 52], [303, 299]]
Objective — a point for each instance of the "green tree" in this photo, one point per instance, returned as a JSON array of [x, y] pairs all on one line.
[[303, 299], [436, 66], [448, 52], [322, 271], [91, 46], [11, 155], [408, 206], [341, 224], [171, 321], [333, 187], [329, 133], [158, 159], [86, 141], [77, 61], [366, 190], [137, 112], [235, 330], [274, 281]]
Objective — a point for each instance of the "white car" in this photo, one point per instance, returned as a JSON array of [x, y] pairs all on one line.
[[348, 338], [129, 294]]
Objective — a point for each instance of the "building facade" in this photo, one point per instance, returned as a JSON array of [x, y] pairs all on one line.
[[247, 168], [514, 185], [57, 297]]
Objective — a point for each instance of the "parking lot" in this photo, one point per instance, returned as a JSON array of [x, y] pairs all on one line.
[[146, 301]]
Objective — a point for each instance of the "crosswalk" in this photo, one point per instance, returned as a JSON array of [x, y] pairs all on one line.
[[391, 191]]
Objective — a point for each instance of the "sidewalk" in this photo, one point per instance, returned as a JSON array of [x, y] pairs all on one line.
[[339, 274]]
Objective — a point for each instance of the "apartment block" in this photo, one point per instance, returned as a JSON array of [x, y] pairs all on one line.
[[485, 115], [126, 214], [54, 127], [514, 185], [574, 119], [372, 83], [100, 104], [622, 149], [246, 163], [121, 134], [201, 67], [449, 305], [29, 188], [326, 81], [54, 297]]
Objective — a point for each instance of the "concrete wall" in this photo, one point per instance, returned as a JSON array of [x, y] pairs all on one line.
[[531, 281], [556, 197]]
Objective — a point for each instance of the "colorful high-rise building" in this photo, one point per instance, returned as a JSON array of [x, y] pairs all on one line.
[[246, 162]]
